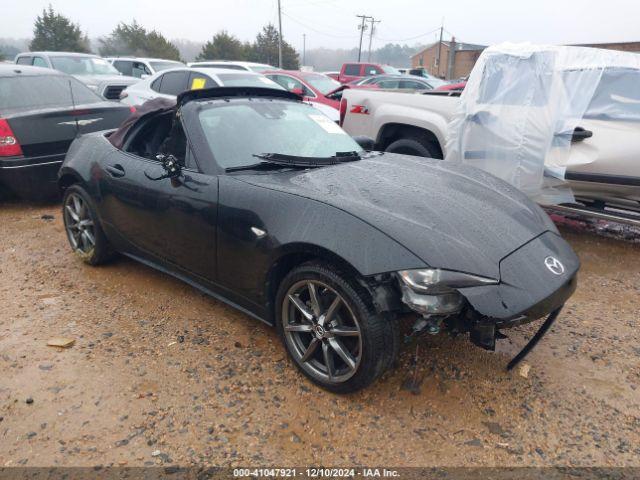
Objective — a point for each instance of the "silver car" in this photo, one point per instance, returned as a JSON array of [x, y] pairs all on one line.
[[94, 71]]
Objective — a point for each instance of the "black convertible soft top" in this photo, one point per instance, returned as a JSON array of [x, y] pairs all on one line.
[[161, 105]]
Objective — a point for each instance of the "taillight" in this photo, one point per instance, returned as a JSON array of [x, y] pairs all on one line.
[[343, 109], [132, 109], [9, 145]]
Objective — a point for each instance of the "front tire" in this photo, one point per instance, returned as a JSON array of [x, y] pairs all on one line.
[[82, 226], [415, 145], [330, 329]]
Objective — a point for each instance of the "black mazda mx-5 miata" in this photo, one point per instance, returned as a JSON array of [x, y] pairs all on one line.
[[259, 200]]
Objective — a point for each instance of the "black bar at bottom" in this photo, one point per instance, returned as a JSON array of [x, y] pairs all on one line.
[[536, 338]]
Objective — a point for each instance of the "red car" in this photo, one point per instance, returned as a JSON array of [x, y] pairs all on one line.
[[353, 71], [453, 87], [312, 86]]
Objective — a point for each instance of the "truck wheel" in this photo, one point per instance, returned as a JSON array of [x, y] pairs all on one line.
[[415, 145]]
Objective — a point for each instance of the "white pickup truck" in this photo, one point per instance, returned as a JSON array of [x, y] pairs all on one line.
[[603, 165]]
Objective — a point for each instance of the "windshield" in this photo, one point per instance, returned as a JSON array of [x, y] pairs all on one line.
[[247, 80], [617, 95], [159, 66], [237, 130], [322, 83], [83, 66], [261, 68]]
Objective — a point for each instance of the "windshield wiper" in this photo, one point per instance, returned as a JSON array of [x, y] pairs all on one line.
[[295, 161]]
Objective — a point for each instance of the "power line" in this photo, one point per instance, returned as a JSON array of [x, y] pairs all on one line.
[[373, 22], [295, 20], [409, 38], [362, 28]]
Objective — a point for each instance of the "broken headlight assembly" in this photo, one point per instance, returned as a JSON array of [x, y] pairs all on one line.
[[433, 291]]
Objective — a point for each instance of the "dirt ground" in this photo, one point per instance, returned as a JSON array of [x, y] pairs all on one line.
[[161, 374]]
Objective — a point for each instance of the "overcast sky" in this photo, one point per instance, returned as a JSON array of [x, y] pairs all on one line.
[[332, 23]]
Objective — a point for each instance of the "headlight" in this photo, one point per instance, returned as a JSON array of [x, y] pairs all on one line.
[[432, 291], [435, 280]]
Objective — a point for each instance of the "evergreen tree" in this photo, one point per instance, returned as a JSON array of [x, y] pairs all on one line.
[[53, 31], [223, 47]]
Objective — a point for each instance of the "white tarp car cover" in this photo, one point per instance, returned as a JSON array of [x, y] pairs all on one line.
[[522, 102]]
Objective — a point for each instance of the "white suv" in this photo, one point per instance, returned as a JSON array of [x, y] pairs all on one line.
[[142, 67]]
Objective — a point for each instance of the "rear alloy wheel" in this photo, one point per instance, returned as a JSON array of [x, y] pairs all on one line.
[[329, 330], [83, 230]]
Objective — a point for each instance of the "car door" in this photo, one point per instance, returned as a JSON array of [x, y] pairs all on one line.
[[293, 85], [168, 221]]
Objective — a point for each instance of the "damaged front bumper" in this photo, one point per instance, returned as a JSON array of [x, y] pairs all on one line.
[[535, 282]]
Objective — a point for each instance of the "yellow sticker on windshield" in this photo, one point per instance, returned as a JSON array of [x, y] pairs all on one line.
[[198, 83]]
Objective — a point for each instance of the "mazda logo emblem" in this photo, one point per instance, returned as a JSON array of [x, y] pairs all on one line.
[[554, 265]]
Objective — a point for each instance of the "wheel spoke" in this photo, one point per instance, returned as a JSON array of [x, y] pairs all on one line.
[[76, 204], [331, 311], [342, 352], [315, 302], [89, 236], [72, 213], [345, 331], [310, 350], [298, 327], [84, 242], [301, 307], [86, 223], [328, 360]]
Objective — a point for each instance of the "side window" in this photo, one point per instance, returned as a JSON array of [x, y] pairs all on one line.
[[24, 60], [198, 81], [174, 83], [40, 62], [155, 85], [153, 137], [372, 70], [138, 69], [292, 84], [123, 66], [352, 69], [388, 84], [413, 85]]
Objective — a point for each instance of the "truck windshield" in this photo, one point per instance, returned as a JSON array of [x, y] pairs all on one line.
[[72, 65], [239, 129]]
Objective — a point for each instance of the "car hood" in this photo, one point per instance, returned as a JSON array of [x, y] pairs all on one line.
[[111, 79], [449, 215]]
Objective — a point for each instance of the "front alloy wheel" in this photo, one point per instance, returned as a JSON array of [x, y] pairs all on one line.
[[331, 330], [322, 332]]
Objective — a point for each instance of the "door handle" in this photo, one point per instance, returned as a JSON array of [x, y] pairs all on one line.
[[116, 170]]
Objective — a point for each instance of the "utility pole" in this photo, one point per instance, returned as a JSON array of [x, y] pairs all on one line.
[[371, 31], [304, 47], [439, 48], [362, 28], [279, 35]]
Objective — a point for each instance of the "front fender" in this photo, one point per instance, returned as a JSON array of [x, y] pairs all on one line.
[[412, 117], [288, 220]]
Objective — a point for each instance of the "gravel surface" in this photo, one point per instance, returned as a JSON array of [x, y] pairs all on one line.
[[160, 374]]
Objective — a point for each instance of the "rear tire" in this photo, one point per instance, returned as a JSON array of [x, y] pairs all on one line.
[[353, 346], [417, 145], [84, 232]]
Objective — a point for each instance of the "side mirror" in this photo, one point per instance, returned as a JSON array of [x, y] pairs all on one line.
[[170, 165], [366, 143], [297, 91]]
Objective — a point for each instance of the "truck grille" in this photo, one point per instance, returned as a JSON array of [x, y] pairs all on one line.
[[112, 92]]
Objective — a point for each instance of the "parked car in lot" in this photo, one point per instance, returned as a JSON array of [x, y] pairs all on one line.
[[333, 74], [232, 65], [453, 86], [94, 71], [313, 87], [353, 71], [142, 67], [257, 199], [395, 82], [41, 112], [170, 83]]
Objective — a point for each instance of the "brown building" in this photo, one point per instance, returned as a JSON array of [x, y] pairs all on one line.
[[448, 59], [465, 55]]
